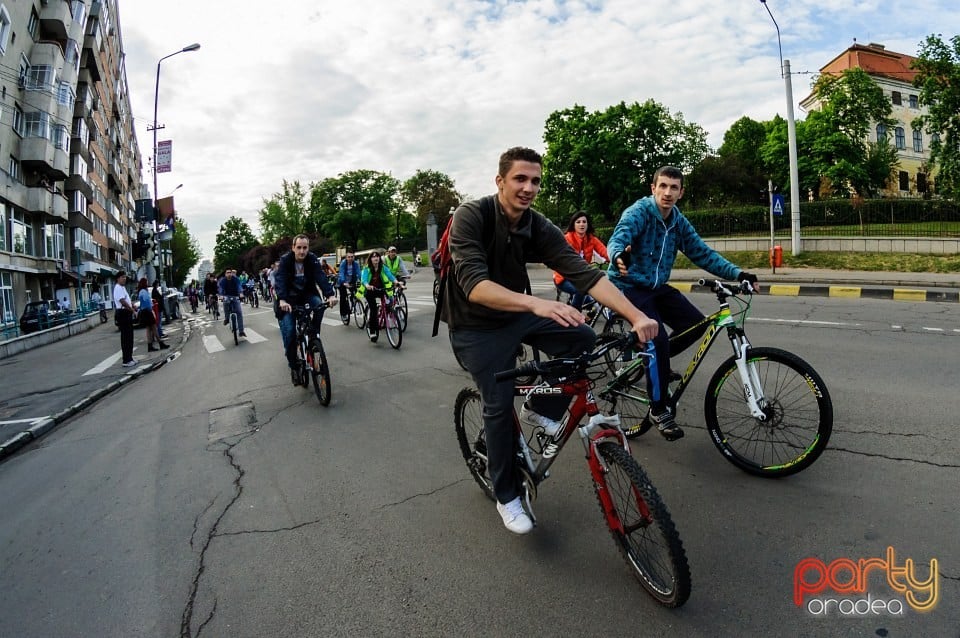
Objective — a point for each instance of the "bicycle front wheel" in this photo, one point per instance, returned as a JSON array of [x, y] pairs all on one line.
[[798, 414], [392, 326], [320, 372], [468, 422], [642, 528], [236, 332], [360, 313]]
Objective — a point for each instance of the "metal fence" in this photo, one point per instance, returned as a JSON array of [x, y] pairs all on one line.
[[837, 218]]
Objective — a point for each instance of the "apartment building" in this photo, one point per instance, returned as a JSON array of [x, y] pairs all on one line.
[[70, 164], [891, 71]]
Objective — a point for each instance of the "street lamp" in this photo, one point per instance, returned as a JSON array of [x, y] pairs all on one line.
[[156, 98], [791, 145]]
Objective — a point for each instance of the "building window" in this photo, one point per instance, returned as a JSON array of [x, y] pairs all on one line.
[[65, 94], [78, 10], [60, 137], [3, 227], [935, 138], [914, 102], [78, 203], [53, 241], [904, 181], [881, 133], [40, 78], [901, 138], [18, 120], [37, 124], [896, 98], [14, 169], [6, 297], [921, 182], [21, 233], [33, 24], [81, 131], [4, 29], [73, 55], [917, 140]]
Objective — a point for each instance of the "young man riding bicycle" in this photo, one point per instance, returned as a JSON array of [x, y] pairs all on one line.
[[298, 278], [348, 276], [643, 248], [230, 290], [489, 315]]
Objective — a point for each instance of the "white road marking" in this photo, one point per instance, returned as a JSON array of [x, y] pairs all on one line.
[[932, 329], [101, 367], [806, 321], [212, 344], [253, 336], [33, 420]]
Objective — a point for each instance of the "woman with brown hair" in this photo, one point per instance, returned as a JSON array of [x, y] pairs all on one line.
[[146, 316]]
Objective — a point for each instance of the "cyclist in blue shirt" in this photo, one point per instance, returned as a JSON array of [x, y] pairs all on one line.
[[347, 279], [643, 248]]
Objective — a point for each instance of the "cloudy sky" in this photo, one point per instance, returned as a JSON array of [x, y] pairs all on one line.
[[307, 89]]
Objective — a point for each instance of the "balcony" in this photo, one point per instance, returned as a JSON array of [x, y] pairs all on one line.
[[39, 154], [79, 183], [78, 220], [49, 203], [92, 43], [55, 20]]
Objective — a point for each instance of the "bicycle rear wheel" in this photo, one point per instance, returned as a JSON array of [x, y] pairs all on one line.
[[400, 298], [615, 358], [391, 324], [320, 372], [631, 402], [360, 313], [402, 317], [799, 414], [642, 528], [468, 422]]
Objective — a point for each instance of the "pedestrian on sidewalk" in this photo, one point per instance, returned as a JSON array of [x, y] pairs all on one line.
[[158, 310], [123, 307], [148, 317]]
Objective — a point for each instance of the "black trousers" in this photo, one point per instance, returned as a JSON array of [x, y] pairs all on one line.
[[125, 323], [668, 307]]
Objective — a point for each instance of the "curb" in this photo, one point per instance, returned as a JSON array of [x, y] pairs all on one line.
[[44, 426], [846, 291]]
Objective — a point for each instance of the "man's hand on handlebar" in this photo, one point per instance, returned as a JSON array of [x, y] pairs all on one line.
[[646, 328], [284, 306], [331, 301]]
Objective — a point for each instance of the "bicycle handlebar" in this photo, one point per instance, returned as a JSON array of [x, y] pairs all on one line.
[[717, 286], [569, 367]]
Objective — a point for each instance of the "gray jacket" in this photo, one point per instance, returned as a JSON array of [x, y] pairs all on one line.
[[534, 240]]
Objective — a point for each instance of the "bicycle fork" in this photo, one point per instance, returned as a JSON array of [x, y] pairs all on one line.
[[749, 377]]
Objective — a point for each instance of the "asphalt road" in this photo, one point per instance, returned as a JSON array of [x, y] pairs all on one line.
[[212, 498]]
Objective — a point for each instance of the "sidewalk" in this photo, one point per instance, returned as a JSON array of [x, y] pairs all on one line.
[[901, 286]]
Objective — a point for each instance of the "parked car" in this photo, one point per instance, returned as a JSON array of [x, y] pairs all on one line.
[[38, 315]]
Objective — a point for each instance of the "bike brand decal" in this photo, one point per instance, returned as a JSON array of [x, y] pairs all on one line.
[[813, 386], [550, 451], [539, 390], [844, 576], [704, 345]]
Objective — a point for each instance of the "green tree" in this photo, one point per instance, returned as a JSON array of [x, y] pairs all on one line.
[[185, 251], [287, 213], [430, 192], [357, 208], [839, 132], [234, 239], [602, 162], [938, 79]]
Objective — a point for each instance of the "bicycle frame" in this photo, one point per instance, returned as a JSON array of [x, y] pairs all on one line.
[[598, 428], [720, 319]]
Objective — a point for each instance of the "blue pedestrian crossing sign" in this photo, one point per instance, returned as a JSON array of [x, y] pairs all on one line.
[[778, 204]]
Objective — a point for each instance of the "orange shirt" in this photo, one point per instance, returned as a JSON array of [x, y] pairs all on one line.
[[585, 248]]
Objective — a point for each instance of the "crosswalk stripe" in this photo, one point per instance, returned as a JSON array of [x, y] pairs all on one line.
[[101, 367], [212, 344], [254, 337]]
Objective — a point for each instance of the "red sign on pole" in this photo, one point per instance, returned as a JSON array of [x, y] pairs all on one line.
[[164, 156]]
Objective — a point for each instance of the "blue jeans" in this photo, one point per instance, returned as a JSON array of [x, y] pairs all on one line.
[[485, 352], [234, 303], [288, 328], [576, 298], [667, 306]]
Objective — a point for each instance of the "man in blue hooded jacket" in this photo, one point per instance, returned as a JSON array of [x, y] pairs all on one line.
[[644, 248]]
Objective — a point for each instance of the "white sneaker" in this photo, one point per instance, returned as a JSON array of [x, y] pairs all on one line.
[[514, 517], [533, 419], [130, 363]]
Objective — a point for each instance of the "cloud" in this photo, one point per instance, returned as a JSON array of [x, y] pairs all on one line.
[[309, 90]]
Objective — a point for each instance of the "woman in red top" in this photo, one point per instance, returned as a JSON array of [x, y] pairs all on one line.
[[580, 236]]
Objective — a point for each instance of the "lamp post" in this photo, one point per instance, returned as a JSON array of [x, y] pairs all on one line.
[[791, 145], [156, 99]]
